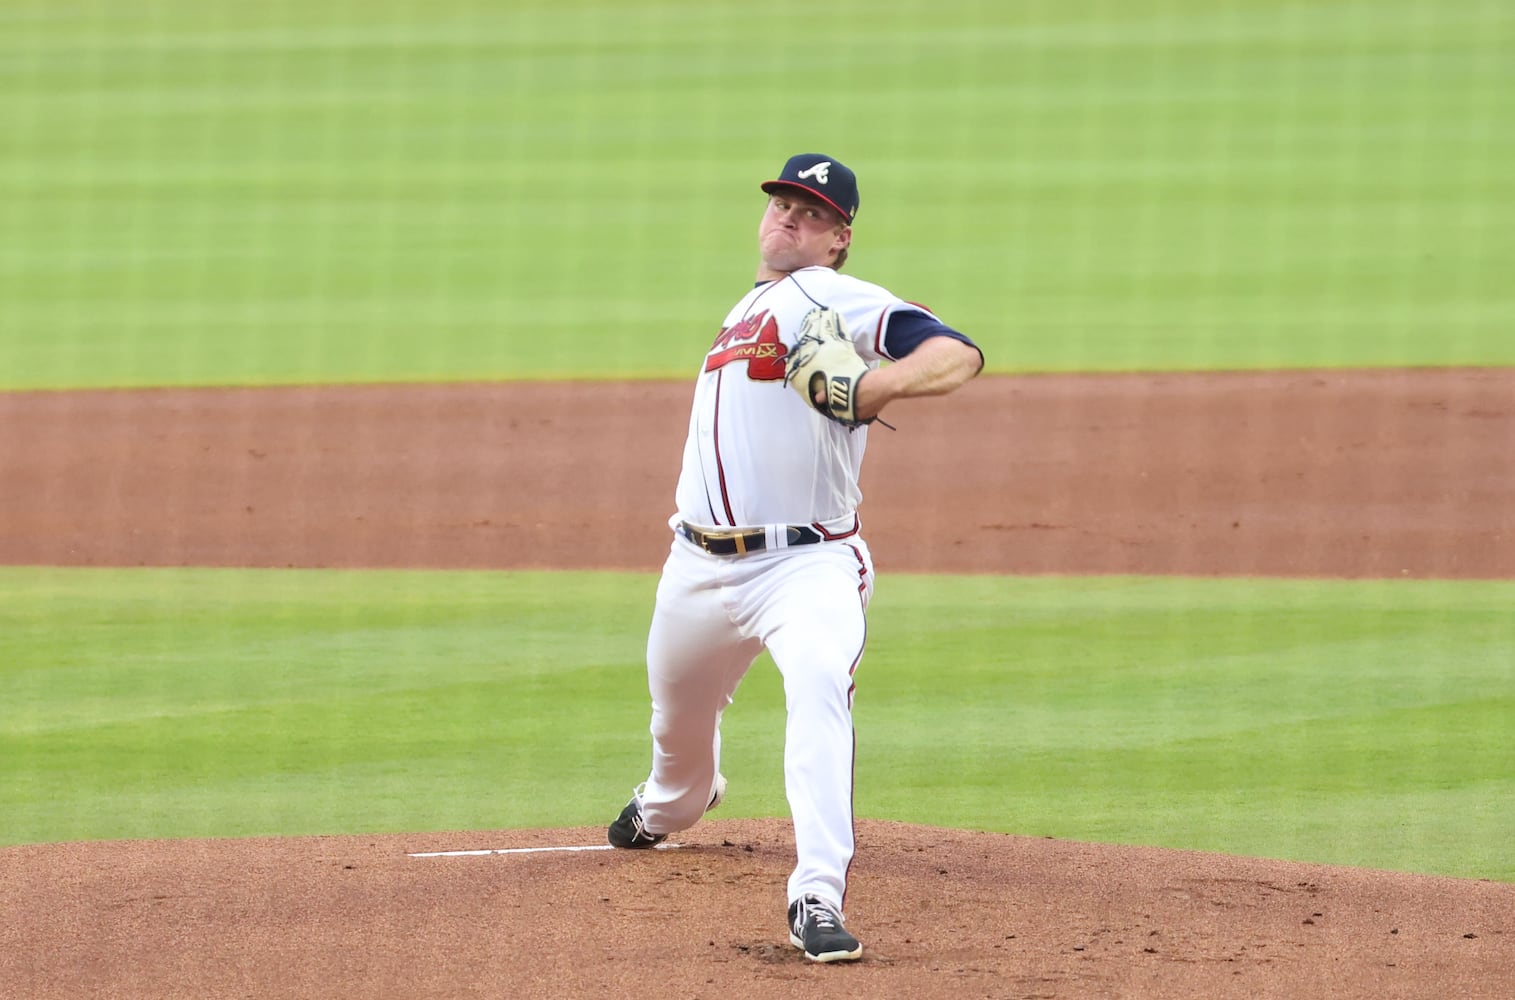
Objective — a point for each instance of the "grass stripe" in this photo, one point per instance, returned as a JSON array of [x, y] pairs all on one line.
[[1350, 722]]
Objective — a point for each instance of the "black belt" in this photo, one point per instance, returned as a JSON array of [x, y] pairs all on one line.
[[739, 543]]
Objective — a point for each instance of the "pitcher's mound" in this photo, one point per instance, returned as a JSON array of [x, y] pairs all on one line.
[[942, 913]]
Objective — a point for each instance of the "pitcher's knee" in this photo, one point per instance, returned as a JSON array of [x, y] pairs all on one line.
[[823, 681]]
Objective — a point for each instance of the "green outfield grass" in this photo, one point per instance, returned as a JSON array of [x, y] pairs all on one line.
[[339, 190], [1357, 723]]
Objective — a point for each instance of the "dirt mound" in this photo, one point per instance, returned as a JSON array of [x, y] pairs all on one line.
[[942, 913]]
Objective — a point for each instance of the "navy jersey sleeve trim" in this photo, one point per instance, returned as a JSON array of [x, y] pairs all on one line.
[[907, 329]]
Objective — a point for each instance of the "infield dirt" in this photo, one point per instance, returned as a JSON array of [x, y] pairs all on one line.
[[1343, 474]]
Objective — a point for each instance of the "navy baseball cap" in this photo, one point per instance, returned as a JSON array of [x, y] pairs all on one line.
[[822, 176]]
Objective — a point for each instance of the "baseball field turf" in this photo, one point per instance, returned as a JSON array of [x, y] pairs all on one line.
[[341, 190], [1356, 723], [316, 192]]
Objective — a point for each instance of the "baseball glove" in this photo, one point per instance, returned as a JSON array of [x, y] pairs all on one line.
[[825, 356]]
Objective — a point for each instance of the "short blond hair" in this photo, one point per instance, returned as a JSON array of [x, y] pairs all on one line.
[[841, 256]]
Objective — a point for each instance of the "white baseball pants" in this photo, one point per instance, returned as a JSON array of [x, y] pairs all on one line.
[[714, 615]]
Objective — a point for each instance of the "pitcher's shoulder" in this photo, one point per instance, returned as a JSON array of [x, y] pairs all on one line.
[[827, 285]]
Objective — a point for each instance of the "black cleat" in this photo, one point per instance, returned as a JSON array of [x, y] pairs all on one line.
[[628, 831], [816, 926]]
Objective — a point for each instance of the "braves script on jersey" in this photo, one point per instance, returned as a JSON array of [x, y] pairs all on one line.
[[756, 454]]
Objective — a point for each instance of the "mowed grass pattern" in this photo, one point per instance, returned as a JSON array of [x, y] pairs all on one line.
[[1318, 720], [336, 191]]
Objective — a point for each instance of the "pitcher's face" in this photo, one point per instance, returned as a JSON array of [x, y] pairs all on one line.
[[798, 231]]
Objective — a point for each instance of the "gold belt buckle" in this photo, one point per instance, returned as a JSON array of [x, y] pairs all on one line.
[[739, 537]]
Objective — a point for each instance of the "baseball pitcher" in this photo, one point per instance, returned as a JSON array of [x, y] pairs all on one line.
[[767, 550]]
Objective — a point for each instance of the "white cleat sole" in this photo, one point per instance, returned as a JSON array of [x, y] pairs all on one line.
[[828, 956]]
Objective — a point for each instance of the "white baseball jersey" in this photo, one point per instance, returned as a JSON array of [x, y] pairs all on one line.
[[756, 454]]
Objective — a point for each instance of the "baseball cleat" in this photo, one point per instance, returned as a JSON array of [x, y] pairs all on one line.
[[628, 831], [816, 926], [631, 833]]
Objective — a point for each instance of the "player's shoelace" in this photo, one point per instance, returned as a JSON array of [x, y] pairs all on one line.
[[825, 917], [639, 828]]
